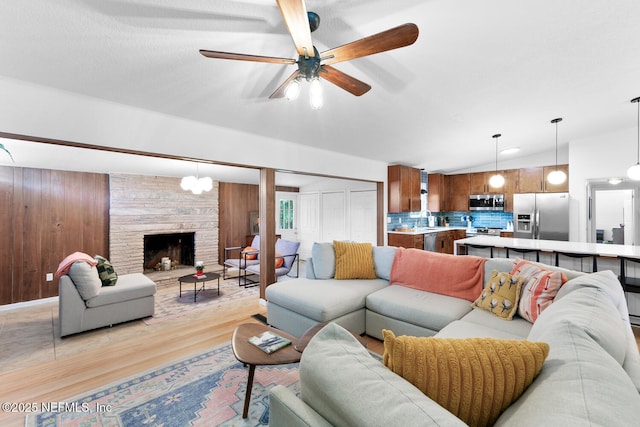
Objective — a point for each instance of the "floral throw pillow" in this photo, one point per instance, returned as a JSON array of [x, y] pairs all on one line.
[[539, 289], [500, 295]]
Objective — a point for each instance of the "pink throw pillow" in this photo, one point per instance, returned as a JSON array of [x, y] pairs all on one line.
[[539, 289]]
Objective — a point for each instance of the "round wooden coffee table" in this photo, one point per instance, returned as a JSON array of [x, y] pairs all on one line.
[[251, 355]]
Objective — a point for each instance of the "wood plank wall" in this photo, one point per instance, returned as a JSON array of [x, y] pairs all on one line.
[[236, 202], [46, 215]]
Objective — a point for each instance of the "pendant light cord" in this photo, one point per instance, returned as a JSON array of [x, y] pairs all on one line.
[[496, 136]]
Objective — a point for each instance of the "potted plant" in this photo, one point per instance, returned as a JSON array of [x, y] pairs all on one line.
[[199, 267]]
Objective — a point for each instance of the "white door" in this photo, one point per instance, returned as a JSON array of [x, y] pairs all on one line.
[[286, 218], [333, 217], [308, 222], [362, 216]]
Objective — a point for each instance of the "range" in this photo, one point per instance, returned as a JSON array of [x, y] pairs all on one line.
[[489, 231]]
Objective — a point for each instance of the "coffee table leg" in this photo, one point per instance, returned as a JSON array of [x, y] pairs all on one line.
[[247, 396]]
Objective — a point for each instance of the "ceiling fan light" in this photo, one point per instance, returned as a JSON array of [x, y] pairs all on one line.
[[634, 172], [293, 90], [556, 177], [315, 94], [496, 181]]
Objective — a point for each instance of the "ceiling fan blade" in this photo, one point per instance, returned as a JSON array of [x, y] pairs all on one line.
[[394, 38], [344, 81], [244, 57], [279, 93], [294, 13]]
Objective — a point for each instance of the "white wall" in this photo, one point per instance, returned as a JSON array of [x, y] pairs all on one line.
[[596, 157]]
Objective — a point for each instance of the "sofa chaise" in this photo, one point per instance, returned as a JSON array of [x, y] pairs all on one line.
[[591, 375], [85, 304]]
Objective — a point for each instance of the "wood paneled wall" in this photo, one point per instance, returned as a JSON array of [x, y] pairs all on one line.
[[235, 203], [46, 215]]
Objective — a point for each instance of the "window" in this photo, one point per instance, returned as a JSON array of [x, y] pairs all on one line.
[[285, 222]]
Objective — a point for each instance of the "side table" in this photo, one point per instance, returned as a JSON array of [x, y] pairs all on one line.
[[190, 278], [251, 355]]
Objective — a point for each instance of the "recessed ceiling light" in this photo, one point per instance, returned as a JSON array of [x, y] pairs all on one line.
[[615, 181], [510, 150]]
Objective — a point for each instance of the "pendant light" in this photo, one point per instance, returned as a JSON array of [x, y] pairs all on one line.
[[195, 184], [497, 180], [634, 171], [556, 177]]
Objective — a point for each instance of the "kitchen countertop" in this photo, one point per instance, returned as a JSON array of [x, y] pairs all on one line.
[[600, 249], [426, 230]]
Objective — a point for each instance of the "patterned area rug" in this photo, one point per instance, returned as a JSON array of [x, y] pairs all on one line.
[[204, 390], [169, 303]]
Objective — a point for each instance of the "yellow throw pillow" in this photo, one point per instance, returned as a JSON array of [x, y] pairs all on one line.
[[500, 295], [475, 379], [354, 260]]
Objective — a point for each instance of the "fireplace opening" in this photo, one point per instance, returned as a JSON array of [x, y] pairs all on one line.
[[178, 247]]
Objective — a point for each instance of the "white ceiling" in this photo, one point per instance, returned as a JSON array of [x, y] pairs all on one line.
[[478, 68]]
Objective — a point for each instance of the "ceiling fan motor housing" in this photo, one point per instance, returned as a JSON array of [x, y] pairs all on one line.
[[309, 66]]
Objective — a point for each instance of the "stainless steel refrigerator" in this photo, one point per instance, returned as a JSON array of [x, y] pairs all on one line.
[[543, 216]]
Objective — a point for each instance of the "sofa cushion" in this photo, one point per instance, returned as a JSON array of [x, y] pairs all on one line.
[[581, 382], [515, 328], [475, 378], [130, 287], [323, 300], [341, 381], [425, 309], [383, 260], [500, 295], [539, 289], [324, 260], [106, 272], [354, 260], [85, 278], [456, 276]]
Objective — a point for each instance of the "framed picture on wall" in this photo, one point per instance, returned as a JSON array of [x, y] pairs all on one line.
[[254, 222]]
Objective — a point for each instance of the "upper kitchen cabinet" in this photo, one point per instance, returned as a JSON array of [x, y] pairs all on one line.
[[457, 191], [436, 192], [534, 180], [404, 188]]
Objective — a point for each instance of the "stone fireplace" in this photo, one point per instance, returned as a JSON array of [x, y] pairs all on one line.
[[152, 205]]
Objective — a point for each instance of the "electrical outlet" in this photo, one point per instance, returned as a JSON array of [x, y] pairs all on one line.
[[49, 277], [388, 220]]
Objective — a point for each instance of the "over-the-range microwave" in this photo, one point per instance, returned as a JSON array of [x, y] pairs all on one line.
[[486, 202]]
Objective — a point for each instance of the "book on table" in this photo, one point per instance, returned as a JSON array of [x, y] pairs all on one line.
[[269, 342]]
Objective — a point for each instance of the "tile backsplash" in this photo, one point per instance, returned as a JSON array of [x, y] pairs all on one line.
[[479, 219]]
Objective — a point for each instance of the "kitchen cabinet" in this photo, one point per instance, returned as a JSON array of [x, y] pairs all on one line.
[[457, 189], [445, 239], [534, 180], [436, 192], [406, 240], [404, 188], [479, 183]]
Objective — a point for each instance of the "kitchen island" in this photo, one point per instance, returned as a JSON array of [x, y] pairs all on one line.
[[437, 239]]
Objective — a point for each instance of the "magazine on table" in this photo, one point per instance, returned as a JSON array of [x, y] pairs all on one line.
[[269, 342]]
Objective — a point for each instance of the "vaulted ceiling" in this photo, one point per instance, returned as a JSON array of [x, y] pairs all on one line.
[[478, 68]]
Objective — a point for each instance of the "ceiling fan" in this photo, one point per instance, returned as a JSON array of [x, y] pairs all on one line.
[[311, 64]]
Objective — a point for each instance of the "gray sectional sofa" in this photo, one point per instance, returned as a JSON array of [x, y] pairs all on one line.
[[591, 376]]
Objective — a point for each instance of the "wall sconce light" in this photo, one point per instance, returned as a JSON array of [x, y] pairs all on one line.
[[497, 180]]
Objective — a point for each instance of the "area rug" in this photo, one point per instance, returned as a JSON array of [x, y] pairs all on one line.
[[169, 303], [203, 390]]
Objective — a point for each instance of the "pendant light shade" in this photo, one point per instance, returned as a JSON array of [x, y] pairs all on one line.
[[556, 177], [497, 180], [634, 171]]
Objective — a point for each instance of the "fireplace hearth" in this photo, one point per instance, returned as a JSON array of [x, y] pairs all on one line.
[[179, 247]]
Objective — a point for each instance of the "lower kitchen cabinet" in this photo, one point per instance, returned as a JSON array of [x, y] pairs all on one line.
[[406, 240]]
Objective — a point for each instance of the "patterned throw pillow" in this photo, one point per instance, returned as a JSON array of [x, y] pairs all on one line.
[[106, 272], [354, 260], [500, 295], [539, 289], [475, 379]]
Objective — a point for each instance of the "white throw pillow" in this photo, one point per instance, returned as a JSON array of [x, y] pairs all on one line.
[[86, 279]]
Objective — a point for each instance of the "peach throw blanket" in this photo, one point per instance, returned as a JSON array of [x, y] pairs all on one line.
[[456, 276]]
